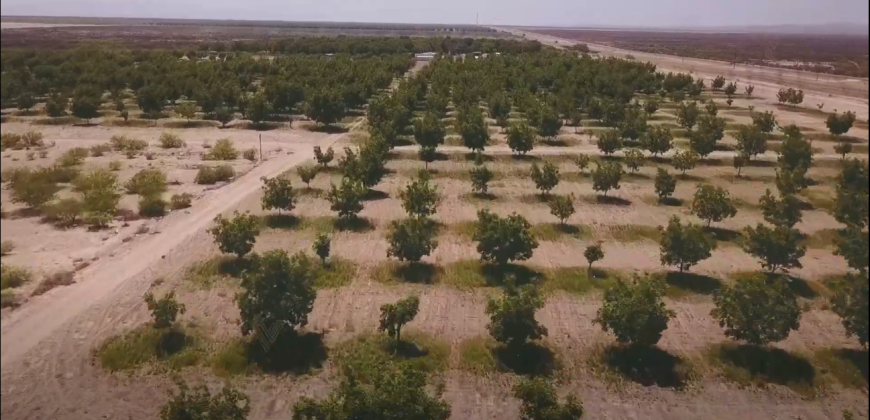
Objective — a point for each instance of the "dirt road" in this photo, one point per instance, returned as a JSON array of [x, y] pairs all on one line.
[[26, 327], [837, 92]]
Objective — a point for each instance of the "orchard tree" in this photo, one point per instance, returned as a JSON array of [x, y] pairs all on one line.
[[562, 207], [420, 198], [718, 83], [100, 196], [853, 189], [784, 211], [34, 189], [740, 160], [200, 404], [778, 248], [549, 123], [635, 313], [651, 106], [427, 154], [501, 240], [757, 310], [850, 303], [512, 318], [324, 106], [499, 106], [473, 130], [545, 178], [394, 316], [593, 253], [165, 310], [412, 239], [56, 105], [393, 391], [85, 106], [684, 246], [185, 110], [321, 246], [853, 245], [796, 153], [839, 124], [750, 141], [748, 90], [609, 142], [480, 177], [223, 114], [730, 89], [323, 158], [236, 235], [428, 131], [346, 199], [634, 159], [665, 184], [658, 140], [521, 137], [685, 160], [606, 177], [540, 402], [306, 173], [278, 194], [277, 290], [687, 115], [843, 149], [790, 181], [712, 204], [259, 109], [582, 162], [765, 122]]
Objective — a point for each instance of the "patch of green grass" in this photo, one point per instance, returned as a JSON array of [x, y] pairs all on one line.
[[819, 200], [231, 359], [476, 356], [633, 233], [804, 288], [558, 231], [396, 272], [463, 229], [337, 272], [682, 285], [849, 367], [8, 299], [207, 273], [822, 239], [578, 280], [290, 351], [163, 350], [291, 222], [758, 366], [367, 353], [645, 365], [11, 276]]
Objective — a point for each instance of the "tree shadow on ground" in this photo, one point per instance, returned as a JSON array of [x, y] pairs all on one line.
[[356, 224], [172, 341], [524, 157], [858, 358], [290, 352], [403, 141], [406, 350], [691, 178], [671, 201], [230, 265], [416, 272], [328, 129], [769, 364], [557, 142], [375, 195], [693, 283], [637, 175], [470, 157], [647, 365], [722, 234], [496, 275], [611, 200], [532, 359], [282, 221]]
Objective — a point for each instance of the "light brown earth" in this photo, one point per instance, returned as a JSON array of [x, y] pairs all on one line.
[[47, 366]]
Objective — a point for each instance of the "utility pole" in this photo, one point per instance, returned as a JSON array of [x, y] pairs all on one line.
[[260, 136]]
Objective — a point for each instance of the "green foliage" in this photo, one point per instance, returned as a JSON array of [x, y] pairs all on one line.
[[171, 141], [777, 248], [420, 198], [85, 104], [750, 140], [472, 128], [853, 245], [634, 312], [236, 235], [843, 149], [785, 211], [582, 162], [152, 205], [521, 137], [11, 276], [208, 175], [411, 239], [634, 159], [259, 108], [277, 290], [718, 83], [710, 131], [650, 106], [549, 123], [278, 194], [796, 153], [480, 177], [99, 189], [712, 204], [322, 244], [346, 199], [790, 181], [180, 201], [325, 107], [165, 310], [428, 131], [185, 110], [562, 206], [609, 142], [764, 122], [123, 143], [593, 253], [223, 150], [147, 182], [394, 392], [687, 115], [501, 240], [33, 189], [224, 115], [512, 318], [394, 316], [790, 96], [685, 160], [851, 206], [367, 167], [658, 140], [545, 178], [850, 303], [606, 177], [73, 157], [684, 246], [839, 124], [56, 105], [540, 402], [665, 184], [307, 173], [323, 158], [757, 310], [200, 404]]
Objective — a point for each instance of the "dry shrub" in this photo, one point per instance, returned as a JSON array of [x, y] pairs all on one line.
[[209, 175], [60, 278], [181, 201]]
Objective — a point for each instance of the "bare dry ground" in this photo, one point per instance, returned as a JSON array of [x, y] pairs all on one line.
[[49, 368]]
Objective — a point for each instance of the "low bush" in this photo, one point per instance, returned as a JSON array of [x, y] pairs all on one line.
[[223, 150], [60, 278], [181, 201], [152, 206], [11, 276], [171, 141], [209, 175]]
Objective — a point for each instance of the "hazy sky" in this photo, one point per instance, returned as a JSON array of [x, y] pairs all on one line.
[[655, 13]]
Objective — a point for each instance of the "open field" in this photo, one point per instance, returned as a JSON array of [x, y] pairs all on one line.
[[88, 350], [836, 54]]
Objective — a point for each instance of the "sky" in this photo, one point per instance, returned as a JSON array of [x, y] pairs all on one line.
[[632, 13]]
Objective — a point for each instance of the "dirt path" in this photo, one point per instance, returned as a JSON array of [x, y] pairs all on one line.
[[25, 328]]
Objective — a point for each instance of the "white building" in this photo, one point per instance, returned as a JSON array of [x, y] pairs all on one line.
[[427, 56]]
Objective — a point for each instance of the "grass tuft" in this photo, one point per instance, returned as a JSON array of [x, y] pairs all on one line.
[[645, 365], [171, 349], [758, 366], [367, 353]]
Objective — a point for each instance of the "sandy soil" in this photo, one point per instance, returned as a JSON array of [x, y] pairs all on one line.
[[47, 366]]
